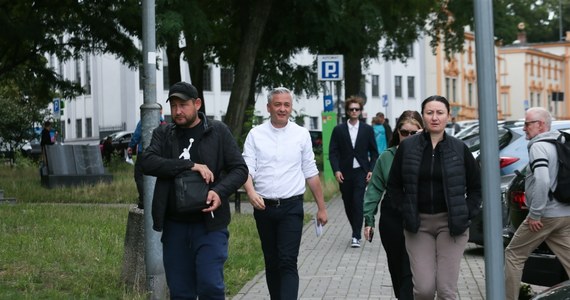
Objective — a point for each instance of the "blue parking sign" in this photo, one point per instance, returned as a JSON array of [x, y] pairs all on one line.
[[56, 107], [330, 67], [328, 103]]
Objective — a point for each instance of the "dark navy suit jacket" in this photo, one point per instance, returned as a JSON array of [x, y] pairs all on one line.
[[341, 151]]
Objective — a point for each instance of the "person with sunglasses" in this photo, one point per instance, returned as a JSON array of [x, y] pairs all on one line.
[[390, 223], [435, 181], [352, 155]]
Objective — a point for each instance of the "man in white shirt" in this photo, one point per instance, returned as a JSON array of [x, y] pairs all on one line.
[[280, 159]]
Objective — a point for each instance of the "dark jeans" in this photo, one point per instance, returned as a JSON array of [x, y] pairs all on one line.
[[139, 179], [391, 231], [280, 229], [194, 260], [352, 190]]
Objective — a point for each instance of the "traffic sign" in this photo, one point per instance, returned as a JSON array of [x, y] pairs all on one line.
[[56, 107], [328, 103], [385, 100], [330, 67]]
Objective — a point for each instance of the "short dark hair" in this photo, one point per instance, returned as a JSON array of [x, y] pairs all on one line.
[[435, 98]]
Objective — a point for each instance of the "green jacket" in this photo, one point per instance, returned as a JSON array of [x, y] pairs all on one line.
[[377, 185]]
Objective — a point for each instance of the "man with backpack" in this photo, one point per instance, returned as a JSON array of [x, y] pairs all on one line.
[[548, 219]]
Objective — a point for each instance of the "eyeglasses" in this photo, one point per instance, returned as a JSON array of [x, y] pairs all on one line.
[[527, 124], [354, 109], [405, 132]]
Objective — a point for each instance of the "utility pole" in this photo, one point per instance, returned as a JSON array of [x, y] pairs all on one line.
[[486, 85], [150, 117]]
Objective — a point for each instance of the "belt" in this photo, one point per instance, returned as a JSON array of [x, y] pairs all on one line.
[[278, 201]]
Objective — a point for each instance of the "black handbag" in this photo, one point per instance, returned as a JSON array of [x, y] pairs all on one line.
[[191, 192]]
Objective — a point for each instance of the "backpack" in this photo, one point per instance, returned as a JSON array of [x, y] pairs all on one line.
[[562, 191]]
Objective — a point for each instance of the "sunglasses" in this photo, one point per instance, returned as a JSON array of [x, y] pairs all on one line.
[[405, 132], [354, 109]]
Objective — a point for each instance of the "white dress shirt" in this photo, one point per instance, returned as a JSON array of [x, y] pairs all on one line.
[[353, 131], [279, 159]]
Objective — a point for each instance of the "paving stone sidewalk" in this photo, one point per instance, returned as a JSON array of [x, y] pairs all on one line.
[[330, 269]]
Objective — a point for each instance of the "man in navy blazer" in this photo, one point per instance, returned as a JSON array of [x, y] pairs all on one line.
[[352, 154]]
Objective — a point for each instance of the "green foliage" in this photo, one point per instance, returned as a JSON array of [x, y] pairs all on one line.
[[541, 19], [62, 29], [19, 115]]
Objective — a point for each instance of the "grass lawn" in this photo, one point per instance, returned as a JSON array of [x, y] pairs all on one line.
[[57, 246]]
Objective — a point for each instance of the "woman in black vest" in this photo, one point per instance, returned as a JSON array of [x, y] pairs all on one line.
[[435, 182]]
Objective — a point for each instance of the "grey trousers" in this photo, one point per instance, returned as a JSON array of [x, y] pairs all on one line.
[[556, 233], [435, 257]]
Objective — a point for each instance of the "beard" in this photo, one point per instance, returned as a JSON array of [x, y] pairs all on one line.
[[186, 121]]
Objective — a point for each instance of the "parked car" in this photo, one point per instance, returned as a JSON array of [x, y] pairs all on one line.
[[542, 266], [513, 152], [121, 140], [32, 149], [560, 291], [476, 228]]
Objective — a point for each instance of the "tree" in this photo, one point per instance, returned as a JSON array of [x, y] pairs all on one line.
[[62, 29]]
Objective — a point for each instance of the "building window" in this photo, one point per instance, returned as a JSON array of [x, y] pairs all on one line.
[[88, 75], [165, 77], [531, 99], [207, 82], [227, 79], [62, 130], [470, 92], [505, 102], [314, 123], [375, 85], [61, 68], [78, 128], [398, 86], [411, 87], [78, 71], [537, 99], [88, 127], [454, 89], [447, 88], [411, 51], [363, 85]]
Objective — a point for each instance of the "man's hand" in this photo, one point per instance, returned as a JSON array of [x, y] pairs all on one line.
[[322, 216], [256, 201], [130, 151], [338, 176], [368, 177], [533, 225], [204, 171], [213, 201]]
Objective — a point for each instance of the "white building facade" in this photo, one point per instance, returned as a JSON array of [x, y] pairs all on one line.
[[114, 93]]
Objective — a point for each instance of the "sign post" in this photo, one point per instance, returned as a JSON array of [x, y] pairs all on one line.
[[56, 108]]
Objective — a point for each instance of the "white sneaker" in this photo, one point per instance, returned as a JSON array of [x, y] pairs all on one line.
[[355, 243]]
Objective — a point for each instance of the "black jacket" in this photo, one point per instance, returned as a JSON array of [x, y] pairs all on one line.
[[461, 181], [341, 151], [218, 150]]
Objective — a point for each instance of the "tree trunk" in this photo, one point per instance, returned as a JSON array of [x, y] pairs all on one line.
[[195, 55], [352, 73], [246, 62], [173, 56]]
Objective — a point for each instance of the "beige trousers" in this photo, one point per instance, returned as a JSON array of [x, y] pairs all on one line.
[[435, 257], [556, 233]]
